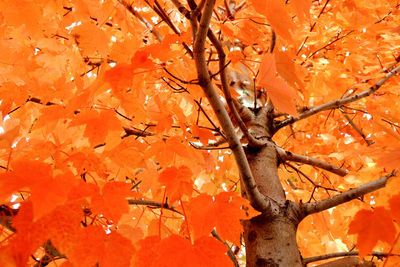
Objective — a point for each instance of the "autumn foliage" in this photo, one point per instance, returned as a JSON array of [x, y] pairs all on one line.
[[112, 153]]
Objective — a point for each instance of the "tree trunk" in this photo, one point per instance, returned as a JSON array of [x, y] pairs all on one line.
[[271, 242], [270, 239]]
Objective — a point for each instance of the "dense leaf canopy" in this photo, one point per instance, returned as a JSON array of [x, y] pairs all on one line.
[[111, 154]]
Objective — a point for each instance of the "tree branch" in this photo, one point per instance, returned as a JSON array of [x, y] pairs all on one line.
[[287, 155], [151, 203], [225, 88], [343, 254], [250, 186], [230, 253], [143, 20], [318, 206], [339, 102], [358, 130]]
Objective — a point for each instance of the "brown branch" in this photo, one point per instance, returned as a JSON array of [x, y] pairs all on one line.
[[326, 45], [225, 88], [151, 203], [181, 8], [321, 205], [160, 12], [358, 130], [287, 155], [229, 252], [250, 186], [148, 25], [137, 132], [230, 6], [344, 254], [339, 102], [299, 172], [209, 119], [312, 27]]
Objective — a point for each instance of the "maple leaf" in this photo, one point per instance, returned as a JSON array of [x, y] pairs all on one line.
[[177, 182], [141, 60], [120, 76], [395, 207], [280, 93], [118, 251], [112, 202], [9, 131], [156, 252], [200, 213], [204, 134], [91, 39], [277, 15], [372, 226], [88, 246], [97, 124], [302, 8], [226, 209], [46, 192]]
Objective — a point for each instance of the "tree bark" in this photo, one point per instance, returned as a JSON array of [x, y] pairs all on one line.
[[270, 238], [271, 241]]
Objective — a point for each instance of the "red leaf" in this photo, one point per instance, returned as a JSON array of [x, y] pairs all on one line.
[[224, 212], [112, 203], [204, 134], [372, 226], [178, 182], [98, 124], [176, 251]]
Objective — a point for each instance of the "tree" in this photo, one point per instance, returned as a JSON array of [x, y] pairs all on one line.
[[129, 129]]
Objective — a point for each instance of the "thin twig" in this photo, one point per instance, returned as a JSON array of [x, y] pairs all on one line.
[[148, 25], [358, 130], [343, 254], [155, 204], [229, 252], [318, 206], [339, 102]]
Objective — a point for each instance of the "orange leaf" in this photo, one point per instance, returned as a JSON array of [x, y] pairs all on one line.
[[112, 203], [224, 213], [46, 192], [277, 15], [141, 59], [287, 69], [176, 251], [302, 8], [91, 39], [211, 252], [120, 77], [200, 215], [280, 93], [89, 246], [235, 56], [118, 251], [98, 124], [395, 207], [177, 181], [372, 226], [9, 131], [204, 134], [229, 209]]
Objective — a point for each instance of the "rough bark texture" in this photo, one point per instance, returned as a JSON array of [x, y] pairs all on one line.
[[271, 241], [270, 238]]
